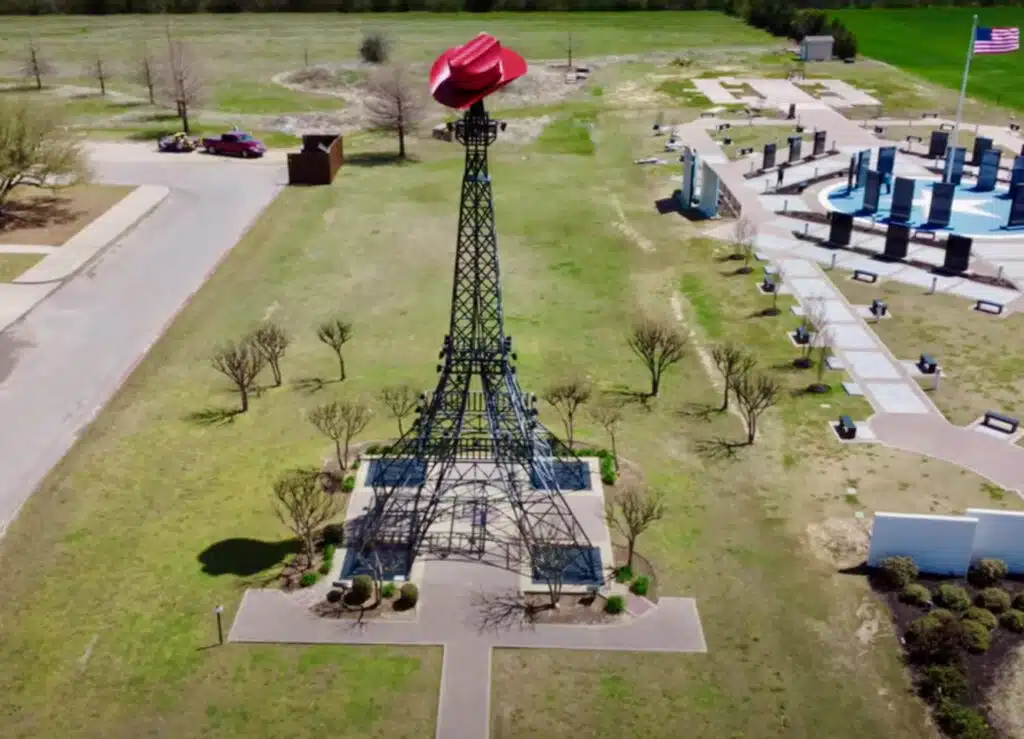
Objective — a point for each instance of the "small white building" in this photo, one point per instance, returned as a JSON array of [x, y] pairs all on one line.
[[816, 48]]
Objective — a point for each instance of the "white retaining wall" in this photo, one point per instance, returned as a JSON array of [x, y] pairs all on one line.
[[946, 545], [938, 544]]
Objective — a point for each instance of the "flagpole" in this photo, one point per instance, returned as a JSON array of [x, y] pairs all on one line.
[[960, 103]]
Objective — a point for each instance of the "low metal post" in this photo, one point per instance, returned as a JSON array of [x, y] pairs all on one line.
[[220, 626], [935, 284]]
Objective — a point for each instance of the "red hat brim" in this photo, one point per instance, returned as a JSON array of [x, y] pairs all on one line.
[[447, 92]]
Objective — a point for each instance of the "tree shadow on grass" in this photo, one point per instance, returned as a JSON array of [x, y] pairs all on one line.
[[245, 557], [36, 212], [213, 416], [700, 411], [375, 159], [632, 396], [310, 385], [718, 447]]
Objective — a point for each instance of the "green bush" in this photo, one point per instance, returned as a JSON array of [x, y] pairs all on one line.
[[942, 681], [348, 484], [374, 48], [388, 590], [1018, 602], [898, 572], [987, 572], [334, 596], [640, 585], [916, 595], [1013, 621], [362, 589], [996, 600], [329, 552], [324, 568], [953, 597], [410, 594], [608, 475], [935, 638], [308, 579], [976, 636], [983, 617], [615, 604], [624, 574], [961, 722], [334, 534]]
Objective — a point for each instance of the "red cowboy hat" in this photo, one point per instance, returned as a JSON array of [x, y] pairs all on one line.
[[468, 73]]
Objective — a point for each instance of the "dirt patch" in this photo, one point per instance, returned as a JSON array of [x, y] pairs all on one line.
[[389, 609], [574, 609], [51, 217], [842, 542], [1006, 709]]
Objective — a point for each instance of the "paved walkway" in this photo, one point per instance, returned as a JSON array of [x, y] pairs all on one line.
[[905, 417], [450, 616]]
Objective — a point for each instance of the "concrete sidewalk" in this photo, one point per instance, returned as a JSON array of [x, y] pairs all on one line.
[[61, 262]]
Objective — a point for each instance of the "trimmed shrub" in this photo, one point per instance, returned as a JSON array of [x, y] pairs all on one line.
[[935, 637], [942, 681], [987, 572], [329, 551], [640, 585], [1013, 621], [953, 597], [308, 579], [615, 604], [362, 589], [1018, 602], [374, 48], [410, 594], [961, 722], [976, 636], [388, 590], [334, 596], [996, 600], [348, 484], [324, 568], [983, 617], [608, 476], [334, 534], [624, 574], [898, 572], [916, 595]]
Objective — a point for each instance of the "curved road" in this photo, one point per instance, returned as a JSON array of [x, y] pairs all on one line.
[[62, 362]]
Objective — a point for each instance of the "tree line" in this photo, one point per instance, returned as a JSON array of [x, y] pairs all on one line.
[[101, 7]]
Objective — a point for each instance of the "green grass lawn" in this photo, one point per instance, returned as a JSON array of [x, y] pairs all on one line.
[[243, 97], [13, 266], [932, 43]]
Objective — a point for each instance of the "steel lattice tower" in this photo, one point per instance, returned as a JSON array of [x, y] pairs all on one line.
[[475, 476]]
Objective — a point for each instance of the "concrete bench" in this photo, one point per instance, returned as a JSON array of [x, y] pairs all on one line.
[[846, 428], [863, 275], [768, 285], [927, 364], [1014, 127], [879, 308], [801, 335], [1000, 422], [989, 306], [930, 235]]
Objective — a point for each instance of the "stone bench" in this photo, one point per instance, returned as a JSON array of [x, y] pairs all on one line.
[[864, 275], [1000, 422], [846, 428], [989, 306]]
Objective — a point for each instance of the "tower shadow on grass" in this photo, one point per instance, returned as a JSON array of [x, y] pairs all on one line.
[[213, 416], [245, 557], [376, 159]]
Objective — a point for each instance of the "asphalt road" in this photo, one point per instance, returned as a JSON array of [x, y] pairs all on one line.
[[65, 360]]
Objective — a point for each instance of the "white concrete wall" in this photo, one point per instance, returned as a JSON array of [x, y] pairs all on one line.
[[999, 535], [940, 545]]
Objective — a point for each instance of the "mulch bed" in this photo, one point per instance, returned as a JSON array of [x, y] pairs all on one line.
[[574, 609], [387, 610], [982, 669]]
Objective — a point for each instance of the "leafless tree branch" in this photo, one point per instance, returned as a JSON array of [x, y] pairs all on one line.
[[394, 104], [659, 345]]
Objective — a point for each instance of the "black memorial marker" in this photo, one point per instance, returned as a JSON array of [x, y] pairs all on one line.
[[958, 253], [840, 228], [897, 239]]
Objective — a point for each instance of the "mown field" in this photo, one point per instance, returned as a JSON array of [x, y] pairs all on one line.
[[932, 43]]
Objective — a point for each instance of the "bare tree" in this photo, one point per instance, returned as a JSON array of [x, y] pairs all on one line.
[[569, 50], [632, 513], [550, 558], [272, 341], [394, 104], [823, 339], [146, 73], [401, 401], [36, 148], [335, 333], [36, 65], [98, 70], [182, 80], [566, 396], [744, 233], [732, 361], [755, 393], [241, 363], [303, 505], [608, 414], [778, 280], [660, 345], [340, 421], [814, 321]]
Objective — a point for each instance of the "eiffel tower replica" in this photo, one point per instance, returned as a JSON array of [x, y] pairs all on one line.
[[476, 477]]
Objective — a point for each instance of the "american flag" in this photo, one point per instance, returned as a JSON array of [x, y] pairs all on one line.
[[996, 40]]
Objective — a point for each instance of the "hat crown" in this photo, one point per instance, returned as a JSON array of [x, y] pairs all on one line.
[[477, 64]]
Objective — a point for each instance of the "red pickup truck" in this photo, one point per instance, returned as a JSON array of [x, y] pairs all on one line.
[[235, 143]]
